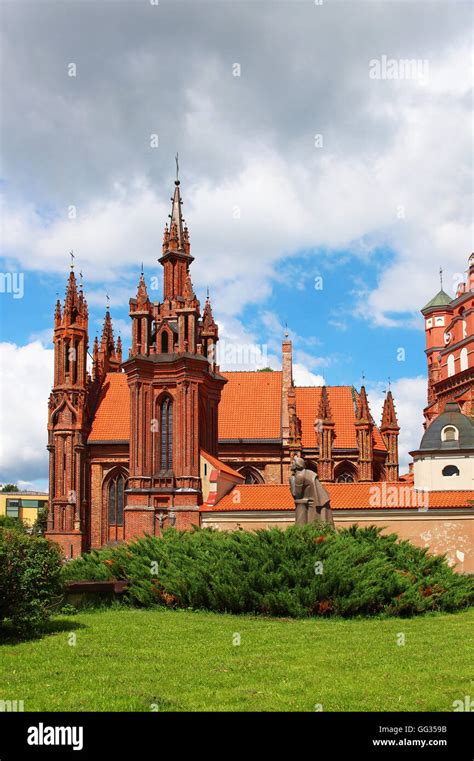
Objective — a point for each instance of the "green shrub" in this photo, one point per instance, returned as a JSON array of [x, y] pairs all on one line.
[[276, 572], [6, 521], [30, 570]]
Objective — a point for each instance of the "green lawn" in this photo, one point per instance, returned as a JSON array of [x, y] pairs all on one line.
[[128, 660]]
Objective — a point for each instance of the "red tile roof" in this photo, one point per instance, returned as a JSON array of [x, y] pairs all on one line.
[[112, 418], [359, 496], [250, 406], [221, 466], [342, 400]]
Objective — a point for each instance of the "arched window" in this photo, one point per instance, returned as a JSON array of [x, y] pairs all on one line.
[[74, 361], [116, 492], [450, 470], [464, 359], [345, 478], [67, 357], [449, 433], [166, 434], [164, 342], [451, 368], [251, 475], [345, 472]]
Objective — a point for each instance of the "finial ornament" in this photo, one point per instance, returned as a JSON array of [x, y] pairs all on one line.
[[441, 277], [177, 167], [71, 254], [286, 328], [108, 300]]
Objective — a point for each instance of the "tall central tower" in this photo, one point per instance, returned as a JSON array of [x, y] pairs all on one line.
[[175, 388]]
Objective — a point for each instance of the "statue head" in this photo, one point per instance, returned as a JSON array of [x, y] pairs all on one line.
[[298, 463]]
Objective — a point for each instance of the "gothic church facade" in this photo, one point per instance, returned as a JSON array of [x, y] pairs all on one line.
[[153, 439]]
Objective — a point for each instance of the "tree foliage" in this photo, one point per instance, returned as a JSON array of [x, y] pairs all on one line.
[[30, 569]]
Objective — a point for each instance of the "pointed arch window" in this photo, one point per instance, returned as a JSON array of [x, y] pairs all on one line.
[[251, 475], [116, 492], [345, 478], [166, 434], [164, 342]]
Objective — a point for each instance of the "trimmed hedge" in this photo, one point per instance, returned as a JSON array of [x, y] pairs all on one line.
[[30, 571], [303, 571]]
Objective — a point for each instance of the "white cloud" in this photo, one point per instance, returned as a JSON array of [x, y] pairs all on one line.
[[404, 149], [26, 374], [304, 377]]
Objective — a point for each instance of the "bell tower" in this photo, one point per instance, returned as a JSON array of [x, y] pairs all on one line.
[[175, 388], [67, 423]]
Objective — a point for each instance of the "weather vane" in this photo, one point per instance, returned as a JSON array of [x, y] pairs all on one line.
[[441, 277], [71, 254], [108, 299], [177, 167]]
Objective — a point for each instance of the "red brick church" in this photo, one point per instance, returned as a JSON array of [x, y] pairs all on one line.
[[164, 438]]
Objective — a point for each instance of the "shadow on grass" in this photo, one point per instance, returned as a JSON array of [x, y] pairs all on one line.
[[67, 624]]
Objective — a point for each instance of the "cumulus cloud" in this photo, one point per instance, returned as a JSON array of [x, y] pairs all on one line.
[[304, 377], [26, 374], [390, 171]]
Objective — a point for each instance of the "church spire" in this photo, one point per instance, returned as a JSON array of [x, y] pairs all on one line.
[[390, 430], [142, 293], [176, 256], [389, 415], [363, 411], [324, 406], [176, 240], [107, 340], [75, 310], [364, 432]]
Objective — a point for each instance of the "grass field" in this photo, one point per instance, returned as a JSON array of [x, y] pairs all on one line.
[[142, 660]]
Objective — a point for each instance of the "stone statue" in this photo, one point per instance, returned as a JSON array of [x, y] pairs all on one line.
[[311, 498]]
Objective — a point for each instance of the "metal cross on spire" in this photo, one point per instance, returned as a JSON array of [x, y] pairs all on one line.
[[108, 300], [71, 254]]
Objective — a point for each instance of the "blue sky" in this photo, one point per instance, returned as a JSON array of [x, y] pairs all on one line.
[[320, 316]]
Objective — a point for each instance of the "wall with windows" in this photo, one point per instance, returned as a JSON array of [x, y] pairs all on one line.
[[23, 505], [444, 472]]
